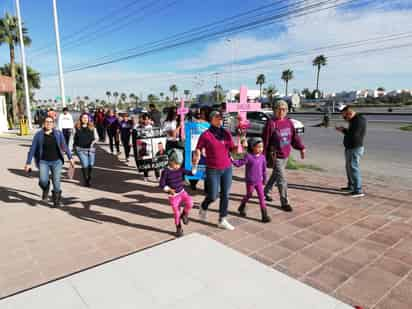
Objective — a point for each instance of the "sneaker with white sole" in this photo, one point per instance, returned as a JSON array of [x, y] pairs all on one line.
[[224, 224], [202, 214], [357, 194]]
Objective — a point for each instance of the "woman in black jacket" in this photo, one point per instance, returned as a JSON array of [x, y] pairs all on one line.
[[84, 140]]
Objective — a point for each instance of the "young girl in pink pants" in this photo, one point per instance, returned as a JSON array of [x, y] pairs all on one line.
[[172, 182], [255, 162]]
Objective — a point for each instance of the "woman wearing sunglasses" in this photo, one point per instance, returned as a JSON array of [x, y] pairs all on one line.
[[48, 149]]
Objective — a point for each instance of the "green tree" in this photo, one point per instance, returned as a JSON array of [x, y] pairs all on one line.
[[162, 95], [152, 98], [33, 79], [9, 34], [271, 92], [108, 94], [186, 93], [319, 62], [123, 97], [115, 95], [287, 75], [261, 80], [173, 89]]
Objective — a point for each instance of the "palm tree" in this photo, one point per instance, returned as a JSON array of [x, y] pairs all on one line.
[[161, 95], [261, 80], [187, 93], [108, 94], [123, 97], [33, 79], [173, 89], [115, 95], [319, 62], [287, 75], [271, 92], [152, 98], [86, 99], [9, 34]]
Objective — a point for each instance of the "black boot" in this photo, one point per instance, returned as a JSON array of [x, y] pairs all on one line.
[[85, 175], [184, 218], [57, 196], [45, 194], [242, 210], [179, 231], [265, 217], [89, 176]]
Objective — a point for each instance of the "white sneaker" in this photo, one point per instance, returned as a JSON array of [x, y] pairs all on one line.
[[224, 224], [202, 214]]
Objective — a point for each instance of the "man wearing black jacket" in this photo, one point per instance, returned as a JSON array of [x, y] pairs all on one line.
[[354, 149]]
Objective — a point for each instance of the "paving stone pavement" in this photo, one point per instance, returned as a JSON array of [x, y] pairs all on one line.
[[357, 250]]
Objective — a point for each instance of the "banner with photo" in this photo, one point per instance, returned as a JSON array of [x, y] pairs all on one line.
[[149, 146], [193, 130]]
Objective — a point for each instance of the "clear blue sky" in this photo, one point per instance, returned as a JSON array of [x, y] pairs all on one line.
[[147, 20]]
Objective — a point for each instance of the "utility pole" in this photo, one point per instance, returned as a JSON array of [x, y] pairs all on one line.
[[23, 63], [59, 55], [216, 74]]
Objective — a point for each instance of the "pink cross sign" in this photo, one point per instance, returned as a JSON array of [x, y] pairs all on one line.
[[242, 108], [182, 111]]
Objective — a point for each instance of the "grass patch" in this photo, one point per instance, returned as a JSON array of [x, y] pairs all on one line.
[[406, 128], [294, 165]]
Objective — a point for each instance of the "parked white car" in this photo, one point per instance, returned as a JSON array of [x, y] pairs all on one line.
[[258, 121]]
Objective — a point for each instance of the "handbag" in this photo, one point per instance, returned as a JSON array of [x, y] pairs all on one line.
[[70, 172]]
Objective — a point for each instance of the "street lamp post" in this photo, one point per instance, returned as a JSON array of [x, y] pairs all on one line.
[[231, 66], [59, 56], [23, 63]]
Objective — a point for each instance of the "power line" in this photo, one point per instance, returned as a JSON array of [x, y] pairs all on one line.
[[302, 11]]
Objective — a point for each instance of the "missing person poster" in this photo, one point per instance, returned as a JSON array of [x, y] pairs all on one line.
[[193, 130]]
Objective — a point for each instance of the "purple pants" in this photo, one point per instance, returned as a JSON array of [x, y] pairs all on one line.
[[250, 187]]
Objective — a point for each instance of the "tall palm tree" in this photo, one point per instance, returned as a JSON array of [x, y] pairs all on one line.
[[161, 95], [173, 89], [108, 94], [271, 92], [319, 62], [187, 93], [123, 97], [9, 34], [152, 98], [33, 79], [287, 75], [115, 95], [261, 80]]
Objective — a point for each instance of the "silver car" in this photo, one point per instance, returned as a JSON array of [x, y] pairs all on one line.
[[258, 121]]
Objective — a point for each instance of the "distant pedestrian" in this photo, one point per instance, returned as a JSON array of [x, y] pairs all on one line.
[[172, 127], [99, 122], [112, 125], [354, 149], [48, 148], [52, 113], [84, 140], [66, 125], [155, 115], [126, 127], [255, 176], [279, 136], [172, 182]]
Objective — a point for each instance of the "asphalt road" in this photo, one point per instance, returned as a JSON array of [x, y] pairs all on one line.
[[388, 151], [371, 118]]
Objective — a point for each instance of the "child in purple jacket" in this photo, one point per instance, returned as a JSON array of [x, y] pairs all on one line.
[[255, 162], [172, 182]]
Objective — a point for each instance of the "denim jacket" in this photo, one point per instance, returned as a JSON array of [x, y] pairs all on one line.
[[36, 149]]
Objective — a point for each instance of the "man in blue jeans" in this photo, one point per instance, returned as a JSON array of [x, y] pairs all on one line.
[[354, 149]]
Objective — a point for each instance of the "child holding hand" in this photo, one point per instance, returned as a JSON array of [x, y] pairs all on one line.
[[255, 177], [172, 182]]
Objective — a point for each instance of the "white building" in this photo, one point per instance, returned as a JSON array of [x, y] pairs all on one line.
[[6, 86]]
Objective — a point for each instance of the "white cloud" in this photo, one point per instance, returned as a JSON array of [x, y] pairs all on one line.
[[326, 28]]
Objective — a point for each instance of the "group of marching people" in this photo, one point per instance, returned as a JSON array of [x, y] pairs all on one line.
[[215, 148]]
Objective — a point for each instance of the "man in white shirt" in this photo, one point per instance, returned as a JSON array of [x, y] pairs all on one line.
[[66, 124]]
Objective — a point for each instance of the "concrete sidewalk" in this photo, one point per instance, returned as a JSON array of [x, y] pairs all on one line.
[[191, 272], [359, 251]]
